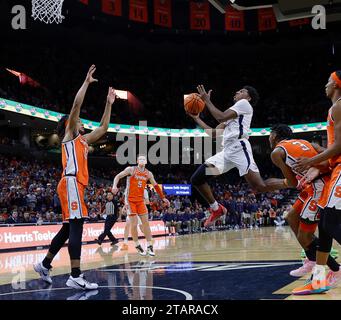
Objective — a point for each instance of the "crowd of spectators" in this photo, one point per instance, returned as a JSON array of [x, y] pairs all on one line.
[[28, 195], [291, 91]]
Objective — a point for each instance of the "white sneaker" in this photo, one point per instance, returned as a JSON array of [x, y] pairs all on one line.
[[43, 272], [150, 251], [81, 283], [306, 268], [140, 250]]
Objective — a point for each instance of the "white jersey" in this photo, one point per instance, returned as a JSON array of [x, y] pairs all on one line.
[[239, 127]]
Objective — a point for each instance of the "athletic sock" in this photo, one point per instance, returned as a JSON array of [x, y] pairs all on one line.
[[75, 272], [332, 264], [125, 241], [214, 206], [47, 263], [149, 243]]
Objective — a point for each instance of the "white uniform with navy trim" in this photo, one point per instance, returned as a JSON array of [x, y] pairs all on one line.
[[237, 151]]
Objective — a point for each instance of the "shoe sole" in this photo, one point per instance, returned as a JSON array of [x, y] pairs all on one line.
[[309, 292]]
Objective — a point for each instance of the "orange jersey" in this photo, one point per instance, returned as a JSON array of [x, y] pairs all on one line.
[[75, 159], [294, 149], [136, 184], [331, 138]]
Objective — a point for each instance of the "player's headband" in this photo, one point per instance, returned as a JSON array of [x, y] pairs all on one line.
[[336, 79]]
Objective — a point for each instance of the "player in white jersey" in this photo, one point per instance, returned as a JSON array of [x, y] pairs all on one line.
[[234, 125], [128, 221]]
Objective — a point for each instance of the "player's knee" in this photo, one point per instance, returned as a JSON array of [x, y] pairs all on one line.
[[199, 177]]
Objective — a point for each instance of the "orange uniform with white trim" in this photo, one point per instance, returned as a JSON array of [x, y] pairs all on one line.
[[136, 184], [75, 178], [331, 195], [306, 203]]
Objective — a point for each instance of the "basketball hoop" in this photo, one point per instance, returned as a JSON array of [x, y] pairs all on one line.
[[48, 11]]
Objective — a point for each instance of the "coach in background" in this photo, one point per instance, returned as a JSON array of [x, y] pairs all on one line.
[[111, 215]]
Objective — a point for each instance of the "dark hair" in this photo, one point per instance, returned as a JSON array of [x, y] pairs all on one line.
[[338, 73], [61, 127], [282, 131], [253, 93]]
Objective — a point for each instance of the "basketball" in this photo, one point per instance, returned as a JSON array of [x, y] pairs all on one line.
[[194, 104]]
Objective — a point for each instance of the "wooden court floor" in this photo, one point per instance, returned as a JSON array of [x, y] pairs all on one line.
[[256, 261]]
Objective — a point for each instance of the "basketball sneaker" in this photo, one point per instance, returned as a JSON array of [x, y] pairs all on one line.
[[333, 278], [306, 268], [124, 246], [150, 251], [140, 250], [43, 272], [309, 288], [81, 283], [215, 215]]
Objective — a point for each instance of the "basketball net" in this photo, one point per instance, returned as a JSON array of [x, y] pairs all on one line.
[[48, 11]]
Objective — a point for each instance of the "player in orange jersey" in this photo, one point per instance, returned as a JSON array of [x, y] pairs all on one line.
[[73, 183], [330, 201], [137, 178], [304, 216]]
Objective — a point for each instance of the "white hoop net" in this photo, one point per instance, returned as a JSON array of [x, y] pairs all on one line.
[[48, 11]]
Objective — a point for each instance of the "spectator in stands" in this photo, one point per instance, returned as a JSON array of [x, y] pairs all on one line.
[[13, 219], [169, 219]]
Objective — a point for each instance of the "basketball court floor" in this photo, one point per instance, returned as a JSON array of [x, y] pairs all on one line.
[[235, 264]]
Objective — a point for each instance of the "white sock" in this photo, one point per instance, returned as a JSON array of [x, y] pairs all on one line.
[[149, 243], [214, 206], [125, 241], [137, 243]]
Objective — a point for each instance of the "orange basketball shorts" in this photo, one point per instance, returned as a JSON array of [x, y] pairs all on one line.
[[137, 207], [306, 207], [331, 195], [71, 196]]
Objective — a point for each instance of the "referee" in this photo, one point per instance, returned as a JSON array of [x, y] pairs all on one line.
[[111, 211]]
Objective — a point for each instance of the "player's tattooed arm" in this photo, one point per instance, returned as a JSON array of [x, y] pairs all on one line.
[[220, 116], [277, 158], [77, 103], [104, 124], [126, 172]]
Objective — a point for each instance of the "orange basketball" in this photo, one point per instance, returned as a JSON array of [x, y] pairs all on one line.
[[194, 104]]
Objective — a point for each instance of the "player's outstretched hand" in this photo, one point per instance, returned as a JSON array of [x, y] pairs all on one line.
[[166, 202], [114, 190], [205, 96], [302, 164], [89, 76], [111, 95], [310, 176]]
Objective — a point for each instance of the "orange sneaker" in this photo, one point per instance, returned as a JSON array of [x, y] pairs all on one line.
[[309, 288], [215, 215], [124, 246]]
